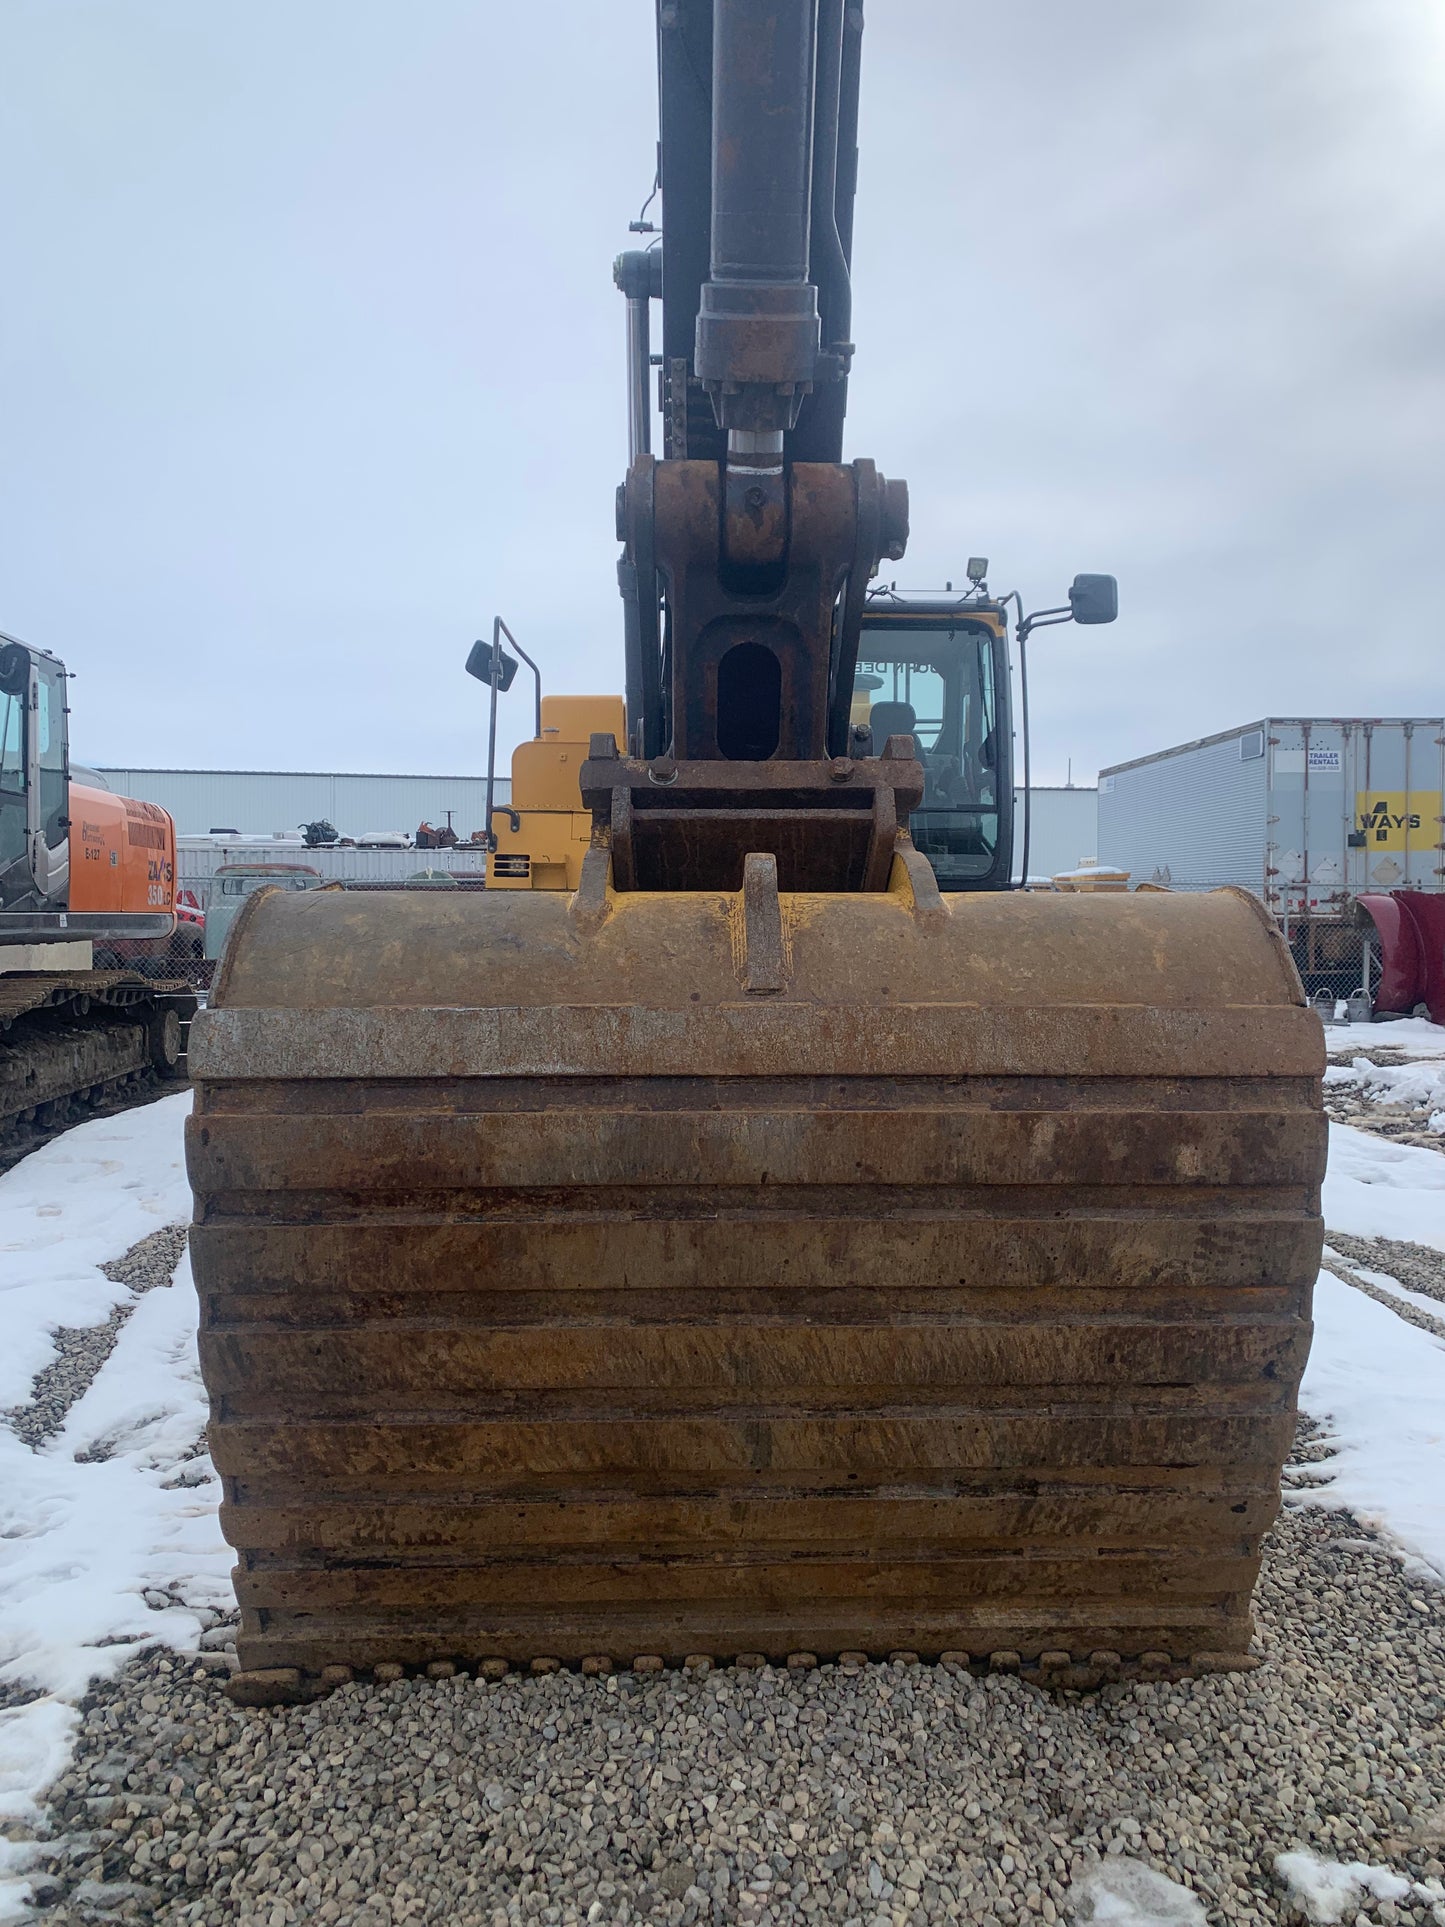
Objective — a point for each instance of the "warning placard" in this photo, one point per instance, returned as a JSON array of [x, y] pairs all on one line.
[[1398, 819]]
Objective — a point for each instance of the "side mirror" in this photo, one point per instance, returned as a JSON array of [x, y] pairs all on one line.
[[479, 662], [1094, 598]]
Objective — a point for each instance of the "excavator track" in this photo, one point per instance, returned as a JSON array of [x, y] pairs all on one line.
[[564, 1300], [69, 1039]]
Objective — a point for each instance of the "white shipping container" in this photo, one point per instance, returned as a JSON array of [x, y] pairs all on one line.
[[1064, 831], [1309, 813]]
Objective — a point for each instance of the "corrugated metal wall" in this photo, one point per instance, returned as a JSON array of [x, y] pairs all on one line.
[[1063, 831], [1381, 779], [1197, 813], [258, 802], [1275, 806]]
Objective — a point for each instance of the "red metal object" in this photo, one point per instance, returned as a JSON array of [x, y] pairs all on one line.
[[1411, 927]]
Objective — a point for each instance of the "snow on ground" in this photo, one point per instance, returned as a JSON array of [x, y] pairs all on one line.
[[1376, 1189], [116, 1504], [1374, 1382], [84, 1198], [1330, 1889], [1414, 1036], [1378, 1387], [1127, 1893], [1419, 1085], [1327, 1890], [1432, 1307]]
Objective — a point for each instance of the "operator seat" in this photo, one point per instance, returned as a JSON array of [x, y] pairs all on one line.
[[892, 719]]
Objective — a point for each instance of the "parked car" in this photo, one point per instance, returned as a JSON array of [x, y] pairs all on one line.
[[188, 945], [182, 954], [234, 882]]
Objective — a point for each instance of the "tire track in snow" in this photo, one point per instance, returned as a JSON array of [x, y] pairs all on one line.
[[83, 1349], [1408, 1313]]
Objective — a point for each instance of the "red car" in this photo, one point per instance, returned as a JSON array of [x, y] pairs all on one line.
[[182, 954]]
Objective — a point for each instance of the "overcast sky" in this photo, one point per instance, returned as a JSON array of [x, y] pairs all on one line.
[[310, 360]]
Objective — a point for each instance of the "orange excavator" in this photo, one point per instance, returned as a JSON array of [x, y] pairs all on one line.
[[746, 1249], [81, 870]]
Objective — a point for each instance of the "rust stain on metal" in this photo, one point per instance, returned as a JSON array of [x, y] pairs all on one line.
[[754, 1272]]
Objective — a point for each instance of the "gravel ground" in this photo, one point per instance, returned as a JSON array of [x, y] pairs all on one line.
[[1418, 1267], [897, 1795], [1422, 1320], [890, 1796], [83, 1349]]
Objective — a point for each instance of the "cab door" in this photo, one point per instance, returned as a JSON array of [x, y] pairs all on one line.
[[17, 885], [34, 780], [49, 778]]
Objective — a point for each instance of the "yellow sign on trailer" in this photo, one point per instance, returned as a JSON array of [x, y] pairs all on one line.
[[1398, 819]]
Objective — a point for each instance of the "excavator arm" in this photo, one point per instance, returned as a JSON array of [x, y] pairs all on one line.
[[818, 137], [749, 545]]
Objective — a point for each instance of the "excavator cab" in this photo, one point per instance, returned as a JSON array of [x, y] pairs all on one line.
[[937, 671], [77, 864], [757, 1251], [34, 781]]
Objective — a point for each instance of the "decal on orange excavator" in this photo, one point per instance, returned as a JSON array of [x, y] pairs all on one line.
[[122, 854]]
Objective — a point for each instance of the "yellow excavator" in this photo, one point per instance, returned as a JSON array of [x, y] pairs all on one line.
[[538, 839], [793, 1242], [539, 842]]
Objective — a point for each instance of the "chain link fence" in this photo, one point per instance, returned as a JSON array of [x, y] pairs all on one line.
[[1335, 957], [212, 882], [179, 957]]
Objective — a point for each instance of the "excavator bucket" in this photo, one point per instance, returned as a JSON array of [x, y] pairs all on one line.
[[744, 1273]]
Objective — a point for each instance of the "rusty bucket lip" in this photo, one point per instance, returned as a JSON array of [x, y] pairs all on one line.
[[991, 952], [757, 983]]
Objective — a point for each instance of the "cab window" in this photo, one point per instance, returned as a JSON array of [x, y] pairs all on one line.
[[932, 677], [12, 743]]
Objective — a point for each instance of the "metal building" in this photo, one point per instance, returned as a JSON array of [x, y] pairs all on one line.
[[263, 802], [1064, 828], [1312, 814], [1306, 812]]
